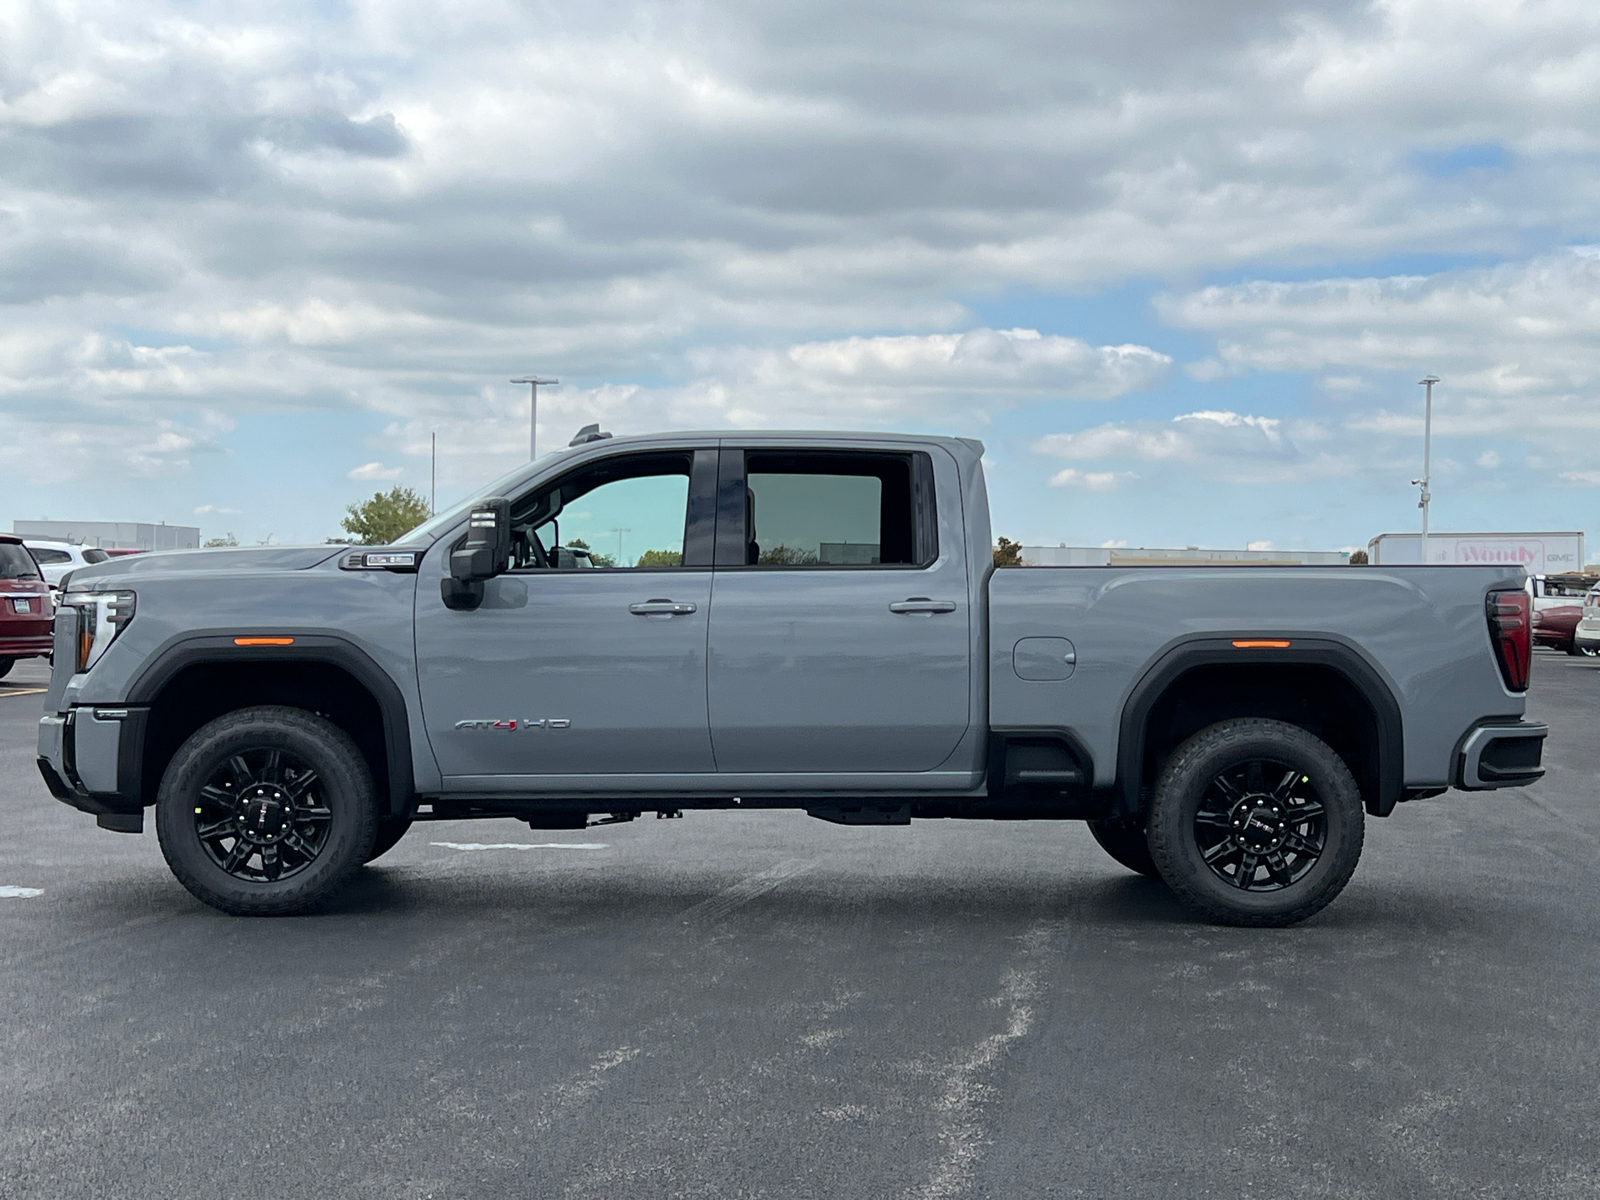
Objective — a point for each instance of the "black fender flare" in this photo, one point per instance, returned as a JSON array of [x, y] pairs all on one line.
[[1213, 649], [200, 649]]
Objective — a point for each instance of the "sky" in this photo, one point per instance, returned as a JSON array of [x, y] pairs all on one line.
[[1179, 266]]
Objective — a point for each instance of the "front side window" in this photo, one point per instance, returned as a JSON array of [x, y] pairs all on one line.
[[16, 562], [807, 509], [626, 512]]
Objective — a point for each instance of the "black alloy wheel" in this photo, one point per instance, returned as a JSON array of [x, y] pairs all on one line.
[[1260, 825], [262, 815], [1256, 822], [266, 811]]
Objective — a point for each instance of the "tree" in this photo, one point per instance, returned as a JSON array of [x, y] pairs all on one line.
[[387, 516], [787, 556], [229, 540], [1358, 558], [1008, 553], [595, 557], [660, 558]]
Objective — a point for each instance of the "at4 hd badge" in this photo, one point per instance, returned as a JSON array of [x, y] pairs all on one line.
[[512, 724]]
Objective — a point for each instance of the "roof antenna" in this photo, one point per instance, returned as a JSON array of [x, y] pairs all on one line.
[[589, 433]]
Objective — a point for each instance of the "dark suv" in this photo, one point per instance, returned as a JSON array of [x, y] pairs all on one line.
[[26, 610]]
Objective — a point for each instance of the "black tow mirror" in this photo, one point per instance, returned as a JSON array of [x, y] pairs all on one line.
[[485, 554]]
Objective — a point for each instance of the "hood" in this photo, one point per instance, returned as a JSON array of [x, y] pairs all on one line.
[[173, 562]]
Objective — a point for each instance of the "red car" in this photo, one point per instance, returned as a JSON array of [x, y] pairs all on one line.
[[26, 611], [1557, 609]]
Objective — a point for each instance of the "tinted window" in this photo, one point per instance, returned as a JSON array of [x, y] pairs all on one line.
[[16, 562], [49, 556], [92, 555], [625, 512], [832, 510]]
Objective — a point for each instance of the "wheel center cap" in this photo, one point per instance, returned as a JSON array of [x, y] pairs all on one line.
[[1259, 825], [263, 814]]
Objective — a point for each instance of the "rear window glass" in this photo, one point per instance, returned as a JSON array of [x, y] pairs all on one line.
[[92, 555], [16, 562]]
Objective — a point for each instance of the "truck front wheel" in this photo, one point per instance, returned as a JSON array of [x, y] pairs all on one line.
[[1256, 822], [266, 811]]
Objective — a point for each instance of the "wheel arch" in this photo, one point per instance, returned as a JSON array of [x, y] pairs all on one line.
[[1322, 685], [196, 679]]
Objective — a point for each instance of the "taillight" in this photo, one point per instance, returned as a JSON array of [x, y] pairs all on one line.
[[1509, 630]]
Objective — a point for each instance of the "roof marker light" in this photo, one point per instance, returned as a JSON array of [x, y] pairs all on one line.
[[1261, 645], [263, 641]]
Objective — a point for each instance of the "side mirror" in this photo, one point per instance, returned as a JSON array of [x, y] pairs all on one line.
[[485, 554]]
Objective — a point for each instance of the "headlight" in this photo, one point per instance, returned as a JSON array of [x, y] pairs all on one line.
[[101, 616]]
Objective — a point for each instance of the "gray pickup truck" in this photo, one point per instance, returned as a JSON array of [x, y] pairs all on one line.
[[807, 621]]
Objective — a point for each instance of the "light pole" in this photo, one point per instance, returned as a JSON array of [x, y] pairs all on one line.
[[533, 382], [1427, 459], [619, 531]]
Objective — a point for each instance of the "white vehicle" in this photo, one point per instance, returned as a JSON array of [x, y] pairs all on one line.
[[1586, 638], [56, 559]]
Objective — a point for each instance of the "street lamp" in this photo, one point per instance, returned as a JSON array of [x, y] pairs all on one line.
[[1427, 459], [533, 382]]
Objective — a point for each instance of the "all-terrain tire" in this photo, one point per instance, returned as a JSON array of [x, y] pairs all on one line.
[[234, 755], [390, 831], [1127, 842], [1265, 779]]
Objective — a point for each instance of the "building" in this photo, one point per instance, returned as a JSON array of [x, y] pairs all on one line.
[[1189, 556], [112, 535], [1537, 553]]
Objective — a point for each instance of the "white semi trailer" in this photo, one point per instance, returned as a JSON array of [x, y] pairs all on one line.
[[1536, 553]]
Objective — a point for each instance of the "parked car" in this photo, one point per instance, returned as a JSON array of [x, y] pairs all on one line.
[[1557, 608], [819, 626], [1586, 637], [57, 559], [26, 609]]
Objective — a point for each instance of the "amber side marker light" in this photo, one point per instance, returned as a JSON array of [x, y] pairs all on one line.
[[1261, 645], [271, 641]]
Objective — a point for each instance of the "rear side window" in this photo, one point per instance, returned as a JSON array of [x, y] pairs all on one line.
[[92, 555], [808, 509], [16, 562], [50, 556]]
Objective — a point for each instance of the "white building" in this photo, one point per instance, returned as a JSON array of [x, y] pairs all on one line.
[[112, 535], [1537, 553]]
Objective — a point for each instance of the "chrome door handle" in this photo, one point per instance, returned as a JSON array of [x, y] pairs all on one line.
[[921, 604], [662, 608]]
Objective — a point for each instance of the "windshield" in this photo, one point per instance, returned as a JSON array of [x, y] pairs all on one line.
[[16, 562], [435, 525]]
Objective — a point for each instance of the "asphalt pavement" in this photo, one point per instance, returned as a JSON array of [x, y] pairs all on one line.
[[763, 1005]]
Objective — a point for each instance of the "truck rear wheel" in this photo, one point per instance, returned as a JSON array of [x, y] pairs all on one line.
[[1127, 842], [266, 811], [1256, 822]]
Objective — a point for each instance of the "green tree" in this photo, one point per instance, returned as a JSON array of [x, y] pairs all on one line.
[[598, 559], [787, 556], [386, 517], [1358, 558], [660, 558], [1008, 553], [228, 540]]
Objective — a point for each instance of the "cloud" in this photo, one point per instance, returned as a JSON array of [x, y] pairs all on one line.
[[208, 509], [375, 470], [1186, 438], [1265, 544], [1094, 481], [1489, 459]]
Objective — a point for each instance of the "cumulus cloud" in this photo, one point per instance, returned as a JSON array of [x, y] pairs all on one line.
[[209, 509], [1094, 481], [375, 470], [1188, 438]]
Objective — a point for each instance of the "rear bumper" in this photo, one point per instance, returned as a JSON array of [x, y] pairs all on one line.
[[1501, 755], [90, 758], [26, 646]]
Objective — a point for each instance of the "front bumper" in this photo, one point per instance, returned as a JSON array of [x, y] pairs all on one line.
[[92, 759], [1501, 755]]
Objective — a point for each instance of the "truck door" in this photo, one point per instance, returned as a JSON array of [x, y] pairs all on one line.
[[589, 655], [839, 627]]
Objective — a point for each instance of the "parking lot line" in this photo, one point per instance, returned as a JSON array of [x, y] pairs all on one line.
[[28, 692]]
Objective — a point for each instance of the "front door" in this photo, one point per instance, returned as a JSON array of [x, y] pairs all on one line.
[[840, 636], [589, 656]]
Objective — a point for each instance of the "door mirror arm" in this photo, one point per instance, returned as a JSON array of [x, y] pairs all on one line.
[[484, 554]]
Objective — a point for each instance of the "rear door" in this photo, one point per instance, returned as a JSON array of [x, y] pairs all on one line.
[[840, 635]]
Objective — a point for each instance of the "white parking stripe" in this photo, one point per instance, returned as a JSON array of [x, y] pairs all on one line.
[[9, 892], [521, 845]]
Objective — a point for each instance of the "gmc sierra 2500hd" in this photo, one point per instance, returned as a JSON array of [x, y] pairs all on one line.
[[816, 624]]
